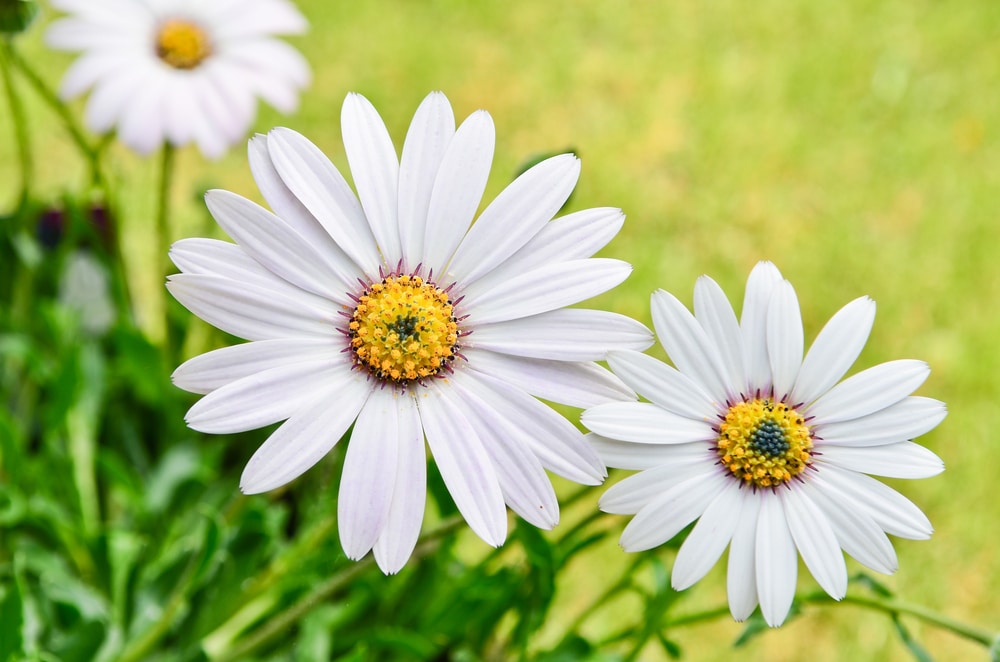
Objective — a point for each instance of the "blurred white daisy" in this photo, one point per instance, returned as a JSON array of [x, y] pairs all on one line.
[[180, 71], [764, 446], [393, 315]]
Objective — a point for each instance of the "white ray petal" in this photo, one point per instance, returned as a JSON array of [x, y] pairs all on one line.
[[687, 344], [304, 439], [816, 542], [784, 338], [568, 334], [406, 512], [663, 518], [458, 190], [777, 562], [904, 459], [627, 455], [868, 391], [430, 132], [753, 324], [891, 510], [741, 567], [368, 480], [515, 216], [715, 314], [639, 490], [209, 371], [465, 467], [267, 396], [663, 384], [375, 169], [907, 419], [645, 423], [857, 533], [709, 538], [835, 350], [547, 288], [577, 384]]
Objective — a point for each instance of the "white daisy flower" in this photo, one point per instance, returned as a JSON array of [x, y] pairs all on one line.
[[180, 71], [393, 315], [764, 446]]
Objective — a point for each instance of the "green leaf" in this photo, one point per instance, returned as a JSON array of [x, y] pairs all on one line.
[[11, 622], [755, 625], [669, 647], [17, 15]]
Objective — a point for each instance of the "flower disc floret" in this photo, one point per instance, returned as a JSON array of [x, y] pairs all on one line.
[[764, 443], [182, 44], [404, 330]]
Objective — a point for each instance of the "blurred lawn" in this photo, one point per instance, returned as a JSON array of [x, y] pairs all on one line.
[[852, 143]]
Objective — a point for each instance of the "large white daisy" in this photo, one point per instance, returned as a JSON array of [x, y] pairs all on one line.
[[393, 314], [765, 447], [180, 71]]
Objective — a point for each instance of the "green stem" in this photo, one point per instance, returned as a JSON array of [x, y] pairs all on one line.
[[62, 110], [20, 126], [163, 239], [977, 634], [281, 623], [624, 581]]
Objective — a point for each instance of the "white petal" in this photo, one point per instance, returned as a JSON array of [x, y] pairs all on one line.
[[753, 324], [291, 211], [250, 311], [777, 563], [406, 512], [639, 490], [367, 482], [87, 70], [375, 169], [663, 384], [835, 350], [571, 237], [303, 439], [464, 465], [458, 189], [868, 391], [141, 124], [515, 216], [709, 538], [645, 423], [525, 486], [741, 570], [315, 181], [570, 334], [816, 542], [430, 132], [277, 246], [891, 510], [213, 257], [664, 517], [270, 17], [626, 455], [687, 344], [550, 287], [907, 419], [577, 384], [267, 396], [856, 531], [784, 338], [207, 372], [715, 314], [904, 459], [556, 442]]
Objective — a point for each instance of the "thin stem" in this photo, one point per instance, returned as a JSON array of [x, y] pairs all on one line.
[[20, 126], [163, 200], [63, 111], [624, 581], [980, 635], [283, 621]]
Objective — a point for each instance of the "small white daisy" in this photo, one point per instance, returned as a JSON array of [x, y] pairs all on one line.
[[393, 315], [764, 446], [180, 71]]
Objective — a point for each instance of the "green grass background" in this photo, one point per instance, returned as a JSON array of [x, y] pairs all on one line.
[[853, 143]]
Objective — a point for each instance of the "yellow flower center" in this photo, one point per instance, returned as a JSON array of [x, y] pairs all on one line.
[[404, 330], [182, 44], [764, 443]]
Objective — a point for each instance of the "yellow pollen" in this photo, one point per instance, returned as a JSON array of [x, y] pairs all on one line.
[[403, 330], [764, 443], [182, 44]]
